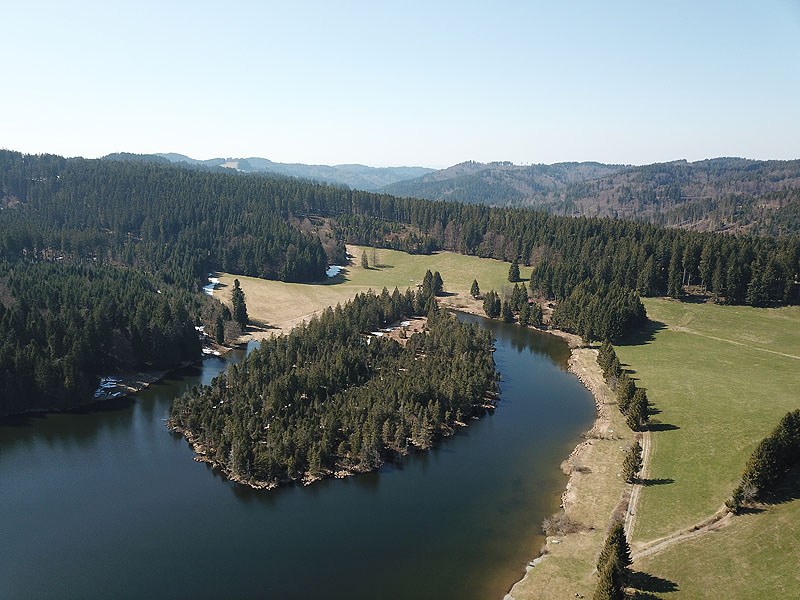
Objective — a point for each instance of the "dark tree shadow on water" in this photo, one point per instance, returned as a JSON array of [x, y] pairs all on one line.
[[648, 584]]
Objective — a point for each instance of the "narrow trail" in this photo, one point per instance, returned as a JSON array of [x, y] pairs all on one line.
[[719, 339], [633, 512], [716, 521]]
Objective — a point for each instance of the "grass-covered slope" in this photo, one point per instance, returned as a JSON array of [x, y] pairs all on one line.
[[720, 378], [282, 305]]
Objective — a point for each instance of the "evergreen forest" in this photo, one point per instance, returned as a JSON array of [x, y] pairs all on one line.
[[329, 398], [115, 225]]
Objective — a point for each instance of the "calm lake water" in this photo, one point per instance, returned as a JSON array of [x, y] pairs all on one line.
[[109, 504]]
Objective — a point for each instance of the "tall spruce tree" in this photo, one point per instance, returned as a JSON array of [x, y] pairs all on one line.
[[475, 291], [513, 271], [239, 306]]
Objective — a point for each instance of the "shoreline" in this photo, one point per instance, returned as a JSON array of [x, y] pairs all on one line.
[[594, 492], [127, 385], [583, 501]]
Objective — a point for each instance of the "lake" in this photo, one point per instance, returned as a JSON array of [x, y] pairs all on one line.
[[107, 502]]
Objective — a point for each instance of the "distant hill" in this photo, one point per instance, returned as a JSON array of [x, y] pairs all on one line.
[[355, 176], [500, 183], [714, 194]]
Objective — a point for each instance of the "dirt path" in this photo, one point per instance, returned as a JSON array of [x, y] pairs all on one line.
[[716, 521], [719, 339], [633, 504]]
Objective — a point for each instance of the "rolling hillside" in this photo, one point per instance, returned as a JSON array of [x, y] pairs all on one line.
[[711, 195]]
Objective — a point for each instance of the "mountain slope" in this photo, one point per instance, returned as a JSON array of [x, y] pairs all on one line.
[[500, 183], [714, 194], [354, 176]]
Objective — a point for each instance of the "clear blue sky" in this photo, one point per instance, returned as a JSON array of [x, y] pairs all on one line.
[[407, 83]]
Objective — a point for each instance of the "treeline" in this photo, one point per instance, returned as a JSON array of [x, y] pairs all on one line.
[[64, 326], [328, 398], [238, 222], [597, 311], [566, 251], [632, 401], [228, 217], [773, 456]]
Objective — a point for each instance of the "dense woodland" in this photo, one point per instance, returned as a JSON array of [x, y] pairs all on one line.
[[64, 326], [328, 397], [176, 224], [182, 222]]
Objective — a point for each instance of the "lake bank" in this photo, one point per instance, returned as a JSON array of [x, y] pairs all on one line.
[[594, 492], [594, 497]]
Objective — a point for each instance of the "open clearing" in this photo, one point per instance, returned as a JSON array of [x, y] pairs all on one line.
[[278, 306], [721, 378]]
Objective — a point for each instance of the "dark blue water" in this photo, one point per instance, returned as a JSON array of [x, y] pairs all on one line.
[[109, 504]]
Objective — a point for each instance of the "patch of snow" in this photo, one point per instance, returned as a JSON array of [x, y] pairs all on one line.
[[333, 270], [209, 289], [106, 384]]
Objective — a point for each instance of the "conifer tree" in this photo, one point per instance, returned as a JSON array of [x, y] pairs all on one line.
[[616, 546], [626, 388], [239, 306], [611, 585], [364, 260], [537, 316], [508, 314], [525, 315], [437, 284], [475, 291], [219, 330], [632, 463], [513, 271], [427, 284]]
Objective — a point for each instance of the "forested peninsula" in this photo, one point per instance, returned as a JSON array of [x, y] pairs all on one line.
[[149, 233], [332, 399]]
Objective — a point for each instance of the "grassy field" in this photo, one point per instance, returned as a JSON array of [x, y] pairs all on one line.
[[721, 378], [281, 305], [754, 558]]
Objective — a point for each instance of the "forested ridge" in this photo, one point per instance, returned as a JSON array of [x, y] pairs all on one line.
[[182, 222], [328, 398], [717, 194]]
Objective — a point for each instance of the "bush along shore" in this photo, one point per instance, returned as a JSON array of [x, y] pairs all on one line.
[[331, 398]]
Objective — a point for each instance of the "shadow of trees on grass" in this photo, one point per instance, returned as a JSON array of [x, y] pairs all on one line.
[[647, 585]]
